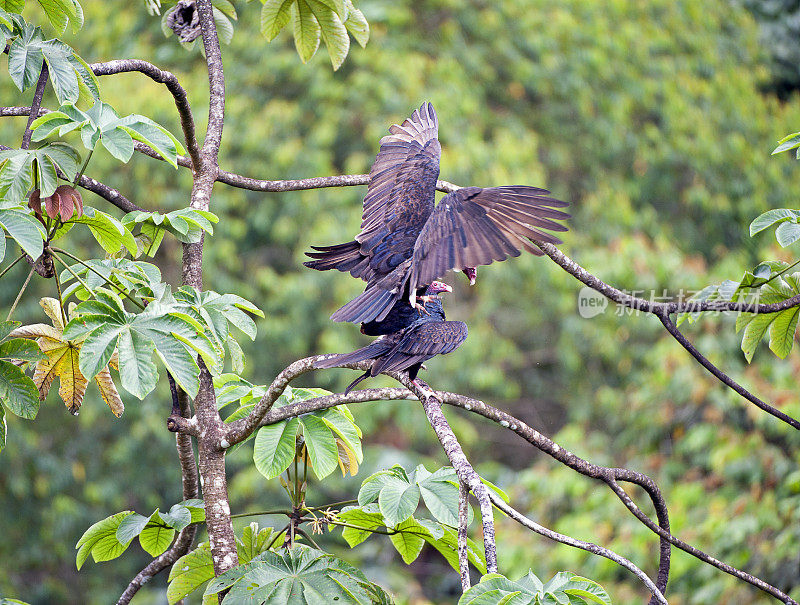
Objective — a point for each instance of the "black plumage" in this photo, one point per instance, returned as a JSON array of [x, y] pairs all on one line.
[[424, 335], [406, 241]]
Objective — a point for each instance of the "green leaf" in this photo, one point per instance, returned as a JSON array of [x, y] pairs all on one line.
[[754, 332], [44, 125], [108, 231], [25, 58], [332, 30], [306, 30], [145, 130], [447, 546], [781, 332], [275, 447], [788, 142], [100, 540], [62, 73], [6, 328], [441, 498], [301, 575], [410, 540], [769, 218], [24, 229], [130, 527], [787, 233], [3, 428], [361, 518], [18, 392], [321, 446], [62, 155], [137, 371], [178, 517], [253, 542], [275, 14], [224, 26], [155, 538], [345, 429], [119, 143], [398, 500], [2, 247], [356, 24], [22, 349], [189, 573], [15, 175], [46, 176]]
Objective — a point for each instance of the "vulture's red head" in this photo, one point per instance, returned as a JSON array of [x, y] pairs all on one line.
[[471, 273], [437, 286]]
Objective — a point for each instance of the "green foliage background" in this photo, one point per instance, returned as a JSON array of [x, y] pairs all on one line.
[[648, 117]]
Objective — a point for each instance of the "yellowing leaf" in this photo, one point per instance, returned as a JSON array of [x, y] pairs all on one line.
[[61, 361], [108, 391], [348, 463], [53, 311]]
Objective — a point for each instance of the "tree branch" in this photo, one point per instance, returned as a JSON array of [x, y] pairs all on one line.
[[720, 375], [173, 86], [35, 105], [463, 517], [186, 537], [658, 597]]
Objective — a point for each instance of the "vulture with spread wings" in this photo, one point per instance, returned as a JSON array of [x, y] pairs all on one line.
[[407, 241], [419, 337]]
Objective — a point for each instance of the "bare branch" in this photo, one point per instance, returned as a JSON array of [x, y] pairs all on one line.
[[171, 82], [186, 537], [720, 375], [35, 105], [463, 517], [658, 597], [622, 298]]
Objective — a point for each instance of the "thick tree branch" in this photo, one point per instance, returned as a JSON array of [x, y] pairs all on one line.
[[173, 86], [658, 597]]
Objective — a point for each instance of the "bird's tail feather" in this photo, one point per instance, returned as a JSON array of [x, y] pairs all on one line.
[[369, 352], [350, 386], [374, 303], [344, 257]]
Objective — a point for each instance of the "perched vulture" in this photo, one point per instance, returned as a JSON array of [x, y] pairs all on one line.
[[407, 241], [424, 335]]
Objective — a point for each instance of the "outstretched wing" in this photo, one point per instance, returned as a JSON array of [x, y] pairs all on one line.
[[474, 226], [402, 189], [420, 342]]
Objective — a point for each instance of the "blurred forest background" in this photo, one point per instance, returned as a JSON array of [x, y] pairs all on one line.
[[656, 120]]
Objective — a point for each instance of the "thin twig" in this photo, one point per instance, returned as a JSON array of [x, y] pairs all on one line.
[[75, 275], [588, 546], [19, 296], [720, 375], [7, 269]]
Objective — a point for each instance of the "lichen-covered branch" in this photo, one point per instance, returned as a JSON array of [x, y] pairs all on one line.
[[35, 105], [463, 518], [509, 510]]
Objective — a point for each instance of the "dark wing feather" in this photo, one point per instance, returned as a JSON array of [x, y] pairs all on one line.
[[474, 226], [420, 342], [377, 300], [401, 191]]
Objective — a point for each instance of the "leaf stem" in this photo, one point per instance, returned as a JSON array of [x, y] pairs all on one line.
[[778, 274], [60, 297], [309, 538], [331, 505], [7, 269], [75, 275], [277, 535], [262, 512], [83, 168], [21, 290], [120, 289]]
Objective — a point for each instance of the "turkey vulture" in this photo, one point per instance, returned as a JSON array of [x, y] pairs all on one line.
[[424, 335], [407, 241]]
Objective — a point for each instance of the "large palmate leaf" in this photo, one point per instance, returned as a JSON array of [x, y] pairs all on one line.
[[61, 360], [564, 588], [186, 224], [104, 325], [29, 51], [135, 277], [101, 123], [781, 325], [331, 438], [300, 575], [109, 538], [315, 20], [22, 169]]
